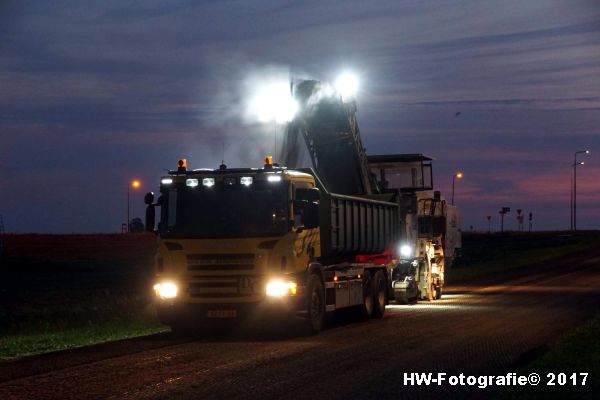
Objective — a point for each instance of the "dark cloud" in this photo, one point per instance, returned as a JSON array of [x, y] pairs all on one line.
[[96, 93]]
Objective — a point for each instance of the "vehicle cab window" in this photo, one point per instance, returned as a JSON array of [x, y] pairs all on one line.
[[297, 211]]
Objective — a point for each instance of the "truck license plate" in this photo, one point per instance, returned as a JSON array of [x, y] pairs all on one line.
[[222, 314]]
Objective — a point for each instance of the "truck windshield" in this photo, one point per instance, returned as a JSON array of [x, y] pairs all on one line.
[[260, 209]]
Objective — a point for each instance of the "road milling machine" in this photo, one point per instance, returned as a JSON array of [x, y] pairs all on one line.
[[429, 230]]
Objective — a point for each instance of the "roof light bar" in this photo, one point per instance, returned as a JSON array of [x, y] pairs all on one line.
[[192, 182]]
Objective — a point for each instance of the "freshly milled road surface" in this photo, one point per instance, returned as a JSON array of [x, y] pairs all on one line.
[[484, 327]]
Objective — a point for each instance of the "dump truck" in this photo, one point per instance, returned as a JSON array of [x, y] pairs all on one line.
[[240, 241], [290, 239]]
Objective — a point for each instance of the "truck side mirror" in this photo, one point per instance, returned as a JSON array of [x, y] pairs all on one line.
[[150, 218], [149, 198], [310, 216], [150, 213]]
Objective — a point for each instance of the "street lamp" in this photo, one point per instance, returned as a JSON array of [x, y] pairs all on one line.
[[136, 184], [458, 175], [575, 164], [502, 212]]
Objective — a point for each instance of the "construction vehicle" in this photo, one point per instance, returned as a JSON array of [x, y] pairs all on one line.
[[430, 228], [429, 235], [235, 242]]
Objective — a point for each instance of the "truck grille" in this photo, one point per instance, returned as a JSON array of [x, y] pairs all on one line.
[[229, 286], [220, 262]]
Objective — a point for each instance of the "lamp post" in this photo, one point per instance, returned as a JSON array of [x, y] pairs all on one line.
[[502, 212], [133, 184], [575, 164], [571, 205], [458, 175]]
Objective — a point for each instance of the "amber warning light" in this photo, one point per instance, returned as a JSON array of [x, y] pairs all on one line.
[[182, 165]]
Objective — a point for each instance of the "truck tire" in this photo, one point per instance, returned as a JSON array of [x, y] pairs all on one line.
[[379, 292], [315, 304], [366, 309]]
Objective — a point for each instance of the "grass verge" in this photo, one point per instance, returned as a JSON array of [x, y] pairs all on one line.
[[49, 306], [575, 353], [486, 255], [44, 337]]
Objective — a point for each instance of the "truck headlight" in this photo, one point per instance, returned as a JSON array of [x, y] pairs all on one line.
[[166, 290], [279, 288], [406, 250]]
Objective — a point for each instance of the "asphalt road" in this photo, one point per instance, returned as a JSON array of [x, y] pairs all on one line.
[[483, 327]]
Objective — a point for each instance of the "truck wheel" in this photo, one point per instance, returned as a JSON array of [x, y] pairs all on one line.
[[315, 304], [366, 310], [379, 291]]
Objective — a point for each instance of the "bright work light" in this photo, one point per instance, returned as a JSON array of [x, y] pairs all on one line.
[[405, 250], [191, 182], [274, 103], [347, 85], [246, 180], [208, 182]]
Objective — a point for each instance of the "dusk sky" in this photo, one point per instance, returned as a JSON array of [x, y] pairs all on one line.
[[94, 94]]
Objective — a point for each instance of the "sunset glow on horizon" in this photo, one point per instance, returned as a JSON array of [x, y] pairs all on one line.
[[504, 92]]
